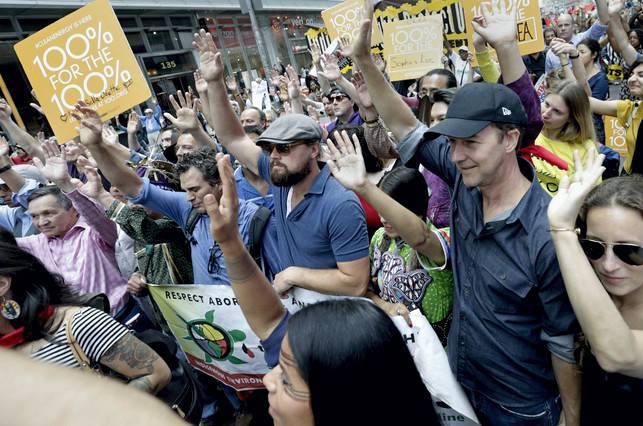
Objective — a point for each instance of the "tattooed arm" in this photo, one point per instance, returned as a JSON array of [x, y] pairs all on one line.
[[139, 363]]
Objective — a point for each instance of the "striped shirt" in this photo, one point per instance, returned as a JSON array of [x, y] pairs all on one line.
[[95, 332]]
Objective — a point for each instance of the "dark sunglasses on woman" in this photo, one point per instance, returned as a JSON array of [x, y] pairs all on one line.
[[628, 253]]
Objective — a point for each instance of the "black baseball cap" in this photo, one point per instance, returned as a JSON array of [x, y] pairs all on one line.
[[475, 106]]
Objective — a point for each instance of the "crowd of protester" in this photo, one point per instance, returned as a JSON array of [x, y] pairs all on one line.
[[507, 222]]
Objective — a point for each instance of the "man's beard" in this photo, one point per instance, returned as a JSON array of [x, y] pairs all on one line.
[[287, 178]]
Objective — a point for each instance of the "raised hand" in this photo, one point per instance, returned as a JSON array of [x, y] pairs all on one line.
[[330, 68], [347, 163], [501, 23], [615, 7], [360, 47], [211, 66], [55, 167], [91, 126], [5, 110], [564, 207], [379, 62], [36, 105], [225, 211], [479, 43], [231, 84], [315, 53], [294, 90], [109, 134], [187, 111], [561, 48], [93, 188], [364, 97], [4, 147], [199, 81], [133, 122], [312, 113]]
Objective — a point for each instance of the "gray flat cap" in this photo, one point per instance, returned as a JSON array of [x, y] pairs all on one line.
[[291, 128]]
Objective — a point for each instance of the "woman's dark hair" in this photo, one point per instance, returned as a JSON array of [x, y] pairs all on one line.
[[371, 162], [33, 287], [407, 187], [594, 48], [443, 95], [451, 80], [623, 191], [639, 35], [350, 354], [7, 237]]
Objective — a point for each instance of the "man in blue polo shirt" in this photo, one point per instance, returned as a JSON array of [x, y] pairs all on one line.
[[321, 228], [199, 176]]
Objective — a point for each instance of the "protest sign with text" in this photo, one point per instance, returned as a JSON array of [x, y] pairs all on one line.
[[412, 47], [529, 25], [82, 56], [212, 331], [615, 136], [344, 20]]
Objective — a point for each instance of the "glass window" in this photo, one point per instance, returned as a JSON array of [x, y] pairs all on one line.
[[160, 40], [154, 21], [181, 21], [136, 42], [169, 64], [35, 24], [185, 39], [6, 26], [127, 21]]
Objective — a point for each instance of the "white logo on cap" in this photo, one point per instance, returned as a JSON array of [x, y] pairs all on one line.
[[505, 111]]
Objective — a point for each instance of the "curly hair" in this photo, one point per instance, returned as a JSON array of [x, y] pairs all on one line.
[[204, 160]]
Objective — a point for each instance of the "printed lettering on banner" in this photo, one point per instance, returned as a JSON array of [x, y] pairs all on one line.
[[615, 136], [529, 24], [413, 47], [82, 56], [212, 331], [345, 19]]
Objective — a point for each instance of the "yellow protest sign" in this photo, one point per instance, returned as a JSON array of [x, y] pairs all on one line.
[[529, 24], [615, 136], [413, 47], [345, 19], [82, 56]]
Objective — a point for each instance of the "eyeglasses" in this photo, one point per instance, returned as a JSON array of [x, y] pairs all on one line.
[[628, 253], [337, 98], [282, 148]]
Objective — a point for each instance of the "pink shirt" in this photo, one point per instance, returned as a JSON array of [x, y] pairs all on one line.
[[84, 256]]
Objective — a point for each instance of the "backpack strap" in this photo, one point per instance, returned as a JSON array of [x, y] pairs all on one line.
[[193, 219], [257, 227]]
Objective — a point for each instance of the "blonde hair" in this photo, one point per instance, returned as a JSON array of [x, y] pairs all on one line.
[[580, 126]]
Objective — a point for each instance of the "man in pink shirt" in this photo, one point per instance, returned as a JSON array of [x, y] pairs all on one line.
[[76, 239]]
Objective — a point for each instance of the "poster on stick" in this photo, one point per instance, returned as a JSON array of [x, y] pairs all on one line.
[[82, 56], [412, 47], [212, 331], [344, 20], [615, 136]]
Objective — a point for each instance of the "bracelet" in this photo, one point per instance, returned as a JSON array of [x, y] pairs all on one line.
[[564, 65], [574, 57], [5, 168], [372, 121], [562, 230]]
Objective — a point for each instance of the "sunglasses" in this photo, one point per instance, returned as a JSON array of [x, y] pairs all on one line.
[[338, 98], [627, 253], [281, 148]]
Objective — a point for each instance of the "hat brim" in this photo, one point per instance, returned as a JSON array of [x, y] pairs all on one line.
[[458, 128]]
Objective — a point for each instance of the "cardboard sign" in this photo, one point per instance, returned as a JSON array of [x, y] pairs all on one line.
[[82, 56], [413, 47], [529, 24], [212, 331], [345, 19], [615, 136]]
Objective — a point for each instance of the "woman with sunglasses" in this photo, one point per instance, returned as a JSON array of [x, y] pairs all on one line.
[[602, 265]]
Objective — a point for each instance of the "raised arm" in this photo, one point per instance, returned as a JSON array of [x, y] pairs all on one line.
[[569, 55], [187, 112], [393, 110], [18, 135], [294, 91], [348, 168], [617, 347], [497, 26], [202, 90], [333, 74], [259, 302], [224, 121], [117, 172], [616, 33], [11, 178], [133, 124]]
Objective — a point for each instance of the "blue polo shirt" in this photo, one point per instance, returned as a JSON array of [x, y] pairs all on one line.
[[510, 299], [175, 206], [326, 227], [247, 192], [17, 220]]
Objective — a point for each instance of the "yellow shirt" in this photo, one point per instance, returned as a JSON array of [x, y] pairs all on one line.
[[624, 110], [550, 175]]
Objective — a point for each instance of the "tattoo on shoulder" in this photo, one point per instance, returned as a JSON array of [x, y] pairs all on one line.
[[143, 383], [132, 352]]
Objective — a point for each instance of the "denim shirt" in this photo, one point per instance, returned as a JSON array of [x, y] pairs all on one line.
[[509, 292]]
